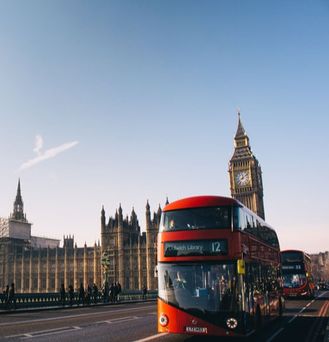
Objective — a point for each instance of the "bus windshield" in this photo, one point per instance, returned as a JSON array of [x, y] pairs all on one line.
[[196, 218], [199, 287], [294, 280], [291, 257]]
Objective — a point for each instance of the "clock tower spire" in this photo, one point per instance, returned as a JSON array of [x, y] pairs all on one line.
[[245, 173]]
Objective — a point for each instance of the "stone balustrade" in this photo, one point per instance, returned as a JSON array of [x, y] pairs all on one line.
[[53, 299]]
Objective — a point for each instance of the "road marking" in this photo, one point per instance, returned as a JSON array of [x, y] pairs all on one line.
[[274, 335], [34, 335], [323, 310], [292, 319], [44, 332], [70, 316], [151, 337], [122, 319]]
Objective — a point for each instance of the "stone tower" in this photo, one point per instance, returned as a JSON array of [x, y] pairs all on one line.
[[18, 212], [245, 173], [129, 256], [151, 245]]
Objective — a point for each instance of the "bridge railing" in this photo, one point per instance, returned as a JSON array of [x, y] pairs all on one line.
[[52, 299]]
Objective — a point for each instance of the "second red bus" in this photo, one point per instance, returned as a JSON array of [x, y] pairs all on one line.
[[297, 274]]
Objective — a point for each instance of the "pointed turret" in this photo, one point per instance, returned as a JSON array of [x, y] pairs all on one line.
[[241, 142], [148, 216], [240, 132], [18, 213], [241, 139], [103, 219], [120, 214]]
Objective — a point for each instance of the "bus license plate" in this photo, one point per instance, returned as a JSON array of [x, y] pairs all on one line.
[[198, 330]]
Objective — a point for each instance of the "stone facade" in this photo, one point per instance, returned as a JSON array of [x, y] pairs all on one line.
[[132, 256], [320, 266], [34, 269], [36, 264]]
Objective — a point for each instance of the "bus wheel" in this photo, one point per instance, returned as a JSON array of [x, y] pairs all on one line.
[[258, 319]]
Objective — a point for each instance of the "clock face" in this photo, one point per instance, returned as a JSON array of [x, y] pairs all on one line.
[[242, 178]]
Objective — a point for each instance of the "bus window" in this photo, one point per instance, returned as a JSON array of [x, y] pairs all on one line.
[[206, 287], [196, 218]]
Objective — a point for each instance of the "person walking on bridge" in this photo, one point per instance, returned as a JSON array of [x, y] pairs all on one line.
[[62, 294], [11, 297]]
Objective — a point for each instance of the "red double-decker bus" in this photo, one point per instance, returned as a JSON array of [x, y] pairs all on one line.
[[218, 268], [297, 274]]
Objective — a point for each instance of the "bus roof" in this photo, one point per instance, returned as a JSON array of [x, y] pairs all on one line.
[[292, 250], [295, 251], [200, 201]]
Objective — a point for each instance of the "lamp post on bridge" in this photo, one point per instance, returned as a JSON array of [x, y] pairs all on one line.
[[105, 262]]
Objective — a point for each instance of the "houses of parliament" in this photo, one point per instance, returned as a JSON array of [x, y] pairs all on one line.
[[125, 254]]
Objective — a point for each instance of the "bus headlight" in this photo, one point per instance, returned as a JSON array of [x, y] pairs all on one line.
[[231, 323], [163, 320]]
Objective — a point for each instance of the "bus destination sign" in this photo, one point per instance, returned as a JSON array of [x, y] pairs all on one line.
[[293, 267], [195, 248]]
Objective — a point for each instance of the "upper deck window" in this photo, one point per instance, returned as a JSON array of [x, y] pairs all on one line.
[[253, 225], [292, 257], [196, 218]]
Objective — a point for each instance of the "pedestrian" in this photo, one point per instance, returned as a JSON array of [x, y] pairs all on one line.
[[115, 292], [11, 296], [88, 294], [81, 294], [106, 292], [71, 294], [112, 293], [119, 291], [95, 293], [6, 296], [144, 291], [62, 294]]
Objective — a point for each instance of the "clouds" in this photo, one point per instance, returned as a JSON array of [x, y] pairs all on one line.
[[48, 154], [38, 143]]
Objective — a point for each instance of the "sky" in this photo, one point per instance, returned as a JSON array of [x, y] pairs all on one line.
[[109, 102]]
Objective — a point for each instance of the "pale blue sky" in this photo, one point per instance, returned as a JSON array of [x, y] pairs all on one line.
[[146, 93]]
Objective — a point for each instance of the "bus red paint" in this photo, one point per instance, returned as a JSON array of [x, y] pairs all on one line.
[[297, 274], [218, 268]]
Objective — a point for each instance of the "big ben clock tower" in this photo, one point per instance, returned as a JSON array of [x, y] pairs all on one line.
[[245, 174]]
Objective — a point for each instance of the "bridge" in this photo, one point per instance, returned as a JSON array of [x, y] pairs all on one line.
[[135, 319]]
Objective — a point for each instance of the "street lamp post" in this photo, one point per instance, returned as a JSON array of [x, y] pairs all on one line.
[[105, 261]]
